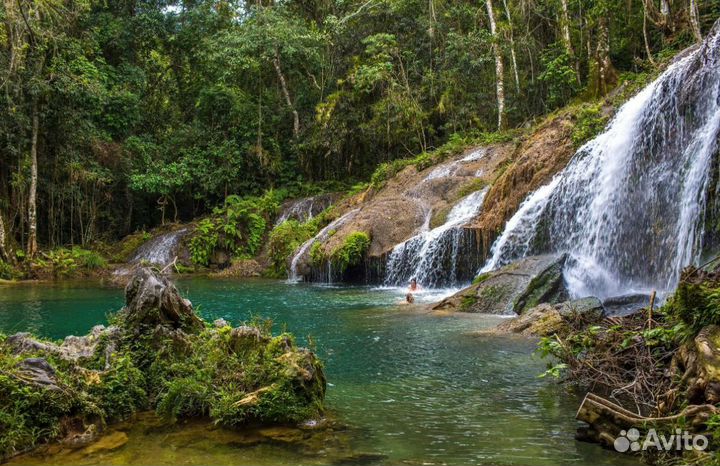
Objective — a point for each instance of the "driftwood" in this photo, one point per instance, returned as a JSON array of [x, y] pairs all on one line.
[[605, 419]]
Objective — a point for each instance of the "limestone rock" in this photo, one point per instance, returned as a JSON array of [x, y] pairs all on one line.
[[73, 348], [37, 371], [625, 305], [514, 288], [547, 319], [151, 299]]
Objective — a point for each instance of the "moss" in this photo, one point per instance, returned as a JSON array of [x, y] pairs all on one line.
[[284, 239], [454, 146], [122, 251], [481, 278], [468, 301], [475, 185], [352, 252], [235, 376], [590, 122]]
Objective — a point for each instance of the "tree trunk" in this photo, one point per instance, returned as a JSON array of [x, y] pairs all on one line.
[[286, 94], [665, 13], [695, 20], [645, 37], [512, 47], [4, 249], [607, 76], [567, 40], [499, 68], [32, 199]]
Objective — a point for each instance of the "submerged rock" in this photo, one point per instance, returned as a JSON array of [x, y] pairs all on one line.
[[514, 288]]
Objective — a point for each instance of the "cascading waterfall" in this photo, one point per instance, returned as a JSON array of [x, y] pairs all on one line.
[[449, 169], [434, 256], [629, 207], [294, 274], [160, 250], [304, 209]]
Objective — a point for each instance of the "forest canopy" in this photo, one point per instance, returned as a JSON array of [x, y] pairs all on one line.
[[121, 114]]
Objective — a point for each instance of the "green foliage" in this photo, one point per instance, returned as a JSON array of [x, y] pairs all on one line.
[[559, 76], [150, 112], [121, 389], [284, 240], [238, 227], [695, 304], [352, 252], [68, 263], [7, 271], [590, 122]]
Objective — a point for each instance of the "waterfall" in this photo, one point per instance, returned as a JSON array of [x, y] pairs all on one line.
[[435, 257], [160, 250], [450, 169], [629, 207], [304, 209], [322, 236]]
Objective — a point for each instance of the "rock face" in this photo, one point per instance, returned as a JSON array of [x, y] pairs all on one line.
[[535, 161], [72, 349], [625, 305], [152, 299], [412, 200], [514, 288]]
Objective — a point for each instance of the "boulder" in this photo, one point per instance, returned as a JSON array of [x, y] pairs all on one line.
[[549, 319], [73, 348], [515, 288], [151, 300], [625, 305], [37, 371]]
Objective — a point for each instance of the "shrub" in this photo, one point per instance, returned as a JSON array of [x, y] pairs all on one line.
[[590, 122], [284, 240], [352, 252], [237, 227]]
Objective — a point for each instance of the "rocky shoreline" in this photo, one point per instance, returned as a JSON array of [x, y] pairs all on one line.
[[157, 354]]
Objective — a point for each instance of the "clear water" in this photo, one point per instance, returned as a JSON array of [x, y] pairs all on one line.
[[412, 388]]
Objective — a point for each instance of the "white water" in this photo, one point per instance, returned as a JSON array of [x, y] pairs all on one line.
[[629, 207], [450, 169], [160, 250], [433, 256], [322, 236], [304, 209]]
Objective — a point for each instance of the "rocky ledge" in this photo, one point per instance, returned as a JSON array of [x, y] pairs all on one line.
[[157, 354]]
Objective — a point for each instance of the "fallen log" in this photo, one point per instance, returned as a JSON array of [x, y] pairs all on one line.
[[606, 419]]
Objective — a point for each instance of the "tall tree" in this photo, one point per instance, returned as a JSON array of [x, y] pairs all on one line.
[[499, 67]]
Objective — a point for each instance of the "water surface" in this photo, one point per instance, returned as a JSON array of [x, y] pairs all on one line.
[[412, 388]]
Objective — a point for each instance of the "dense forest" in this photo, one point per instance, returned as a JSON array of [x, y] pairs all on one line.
[[122, 114]]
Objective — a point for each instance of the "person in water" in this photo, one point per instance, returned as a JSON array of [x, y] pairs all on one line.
[[414, 285], [409, 298]]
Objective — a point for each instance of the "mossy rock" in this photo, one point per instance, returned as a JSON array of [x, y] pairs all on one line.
[[159, 355], [513, 288]]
